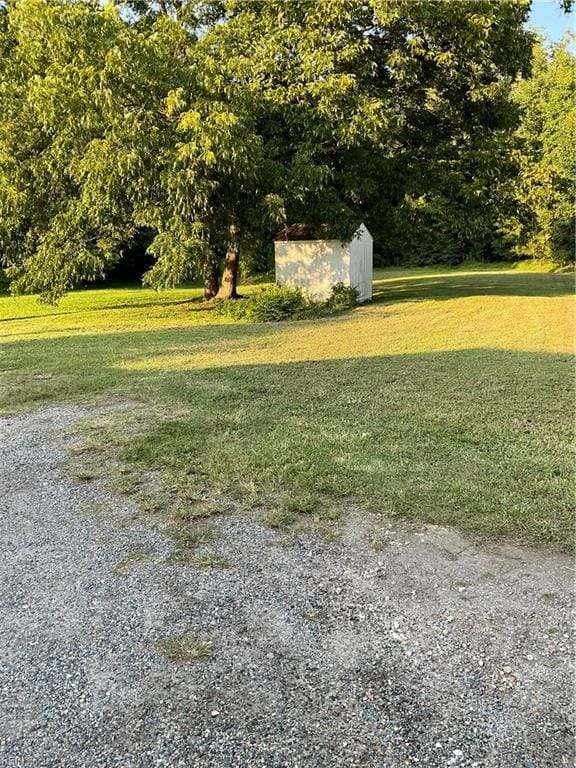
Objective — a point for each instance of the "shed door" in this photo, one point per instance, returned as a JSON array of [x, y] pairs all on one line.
[[361, 266]]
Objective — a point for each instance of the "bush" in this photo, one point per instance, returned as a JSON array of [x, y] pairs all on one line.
[[342, 297], [269, 305], [276, 303], [279, 302], [234, 309]]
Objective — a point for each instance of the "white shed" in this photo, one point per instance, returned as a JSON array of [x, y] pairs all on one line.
[[316, 265]]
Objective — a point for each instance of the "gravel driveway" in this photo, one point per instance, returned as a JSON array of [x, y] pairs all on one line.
[[430, 652]]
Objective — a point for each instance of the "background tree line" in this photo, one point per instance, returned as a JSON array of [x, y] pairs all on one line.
[[192, 130]]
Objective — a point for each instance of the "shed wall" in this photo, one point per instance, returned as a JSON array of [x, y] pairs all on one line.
[[313, 265], [361, 263]]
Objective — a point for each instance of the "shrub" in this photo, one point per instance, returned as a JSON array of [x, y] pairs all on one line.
[[280, 302], [269, 305], [342, 297], [234, 309], [277, 303]]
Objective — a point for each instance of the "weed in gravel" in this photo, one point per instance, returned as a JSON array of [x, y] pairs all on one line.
[[83, 475], [380, 540], [92, 509], [131, 561], [312, 615], [184, 648], [126, 482], [320, 525], [207, 560], [191, 535], [324, 523], [327, 529], [278, 518], [288, 540], [85, 448], [198, 510], [150, 504]]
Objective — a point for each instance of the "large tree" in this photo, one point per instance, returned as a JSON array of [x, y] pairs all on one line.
[[545, 189], [83, 142], [108, 127], [398, 112], [211, 123], [112, 123]]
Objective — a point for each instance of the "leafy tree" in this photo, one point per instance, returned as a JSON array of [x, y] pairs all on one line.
[[453, 155], [548, 161], [109, 127], [211, 123], [395, 112], [82, 142]]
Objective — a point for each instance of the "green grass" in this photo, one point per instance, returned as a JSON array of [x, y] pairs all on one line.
[[448, 400], [184, 648], [190, 536]]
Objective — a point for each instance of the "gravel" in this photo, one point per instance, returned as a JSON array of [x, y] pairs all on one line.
[[430, 652]]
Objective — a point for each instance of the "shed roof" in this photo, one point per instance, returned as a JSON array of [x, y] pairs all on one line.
[[312, 232], [303, 232]]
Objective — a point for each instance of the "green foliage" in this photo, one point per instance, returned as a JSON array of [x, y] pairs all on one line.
[[342, 297], [405, 125], [269, 305], [545, 192], [239, 309], [447, 187], [279, 302], [275, 303], [108, 128], [81, 140], [192, 120]]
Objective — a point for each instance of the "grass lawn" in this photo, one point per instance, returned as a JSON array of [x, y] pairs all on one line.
[[449, 399]]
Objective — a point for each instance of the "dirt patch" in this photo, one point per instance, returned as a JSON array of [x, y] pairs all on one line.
[[424, 649]]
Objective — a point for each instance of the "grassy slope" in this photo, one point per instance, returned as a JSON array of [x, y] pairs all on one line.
[[449, 399]]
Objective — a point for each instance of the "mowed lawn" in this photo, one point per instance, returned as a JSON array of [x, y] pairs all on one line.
[[449, 399]]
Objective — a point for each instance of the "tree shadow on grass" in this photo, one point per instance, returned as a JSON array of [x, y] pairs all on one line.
[[477, 438], [386, 289], [439, 287]]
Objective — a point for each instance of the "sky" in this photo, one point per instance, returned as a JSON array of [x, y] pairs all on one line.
[[548, 17]]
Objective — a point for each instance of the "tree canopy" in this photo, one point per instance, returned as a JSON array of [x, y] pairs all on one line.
[[211, 123], [545, 189]]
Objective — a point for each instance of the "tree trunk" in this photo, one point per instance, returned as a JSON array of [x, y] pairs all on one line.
[[210, 279], [231, 262]]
